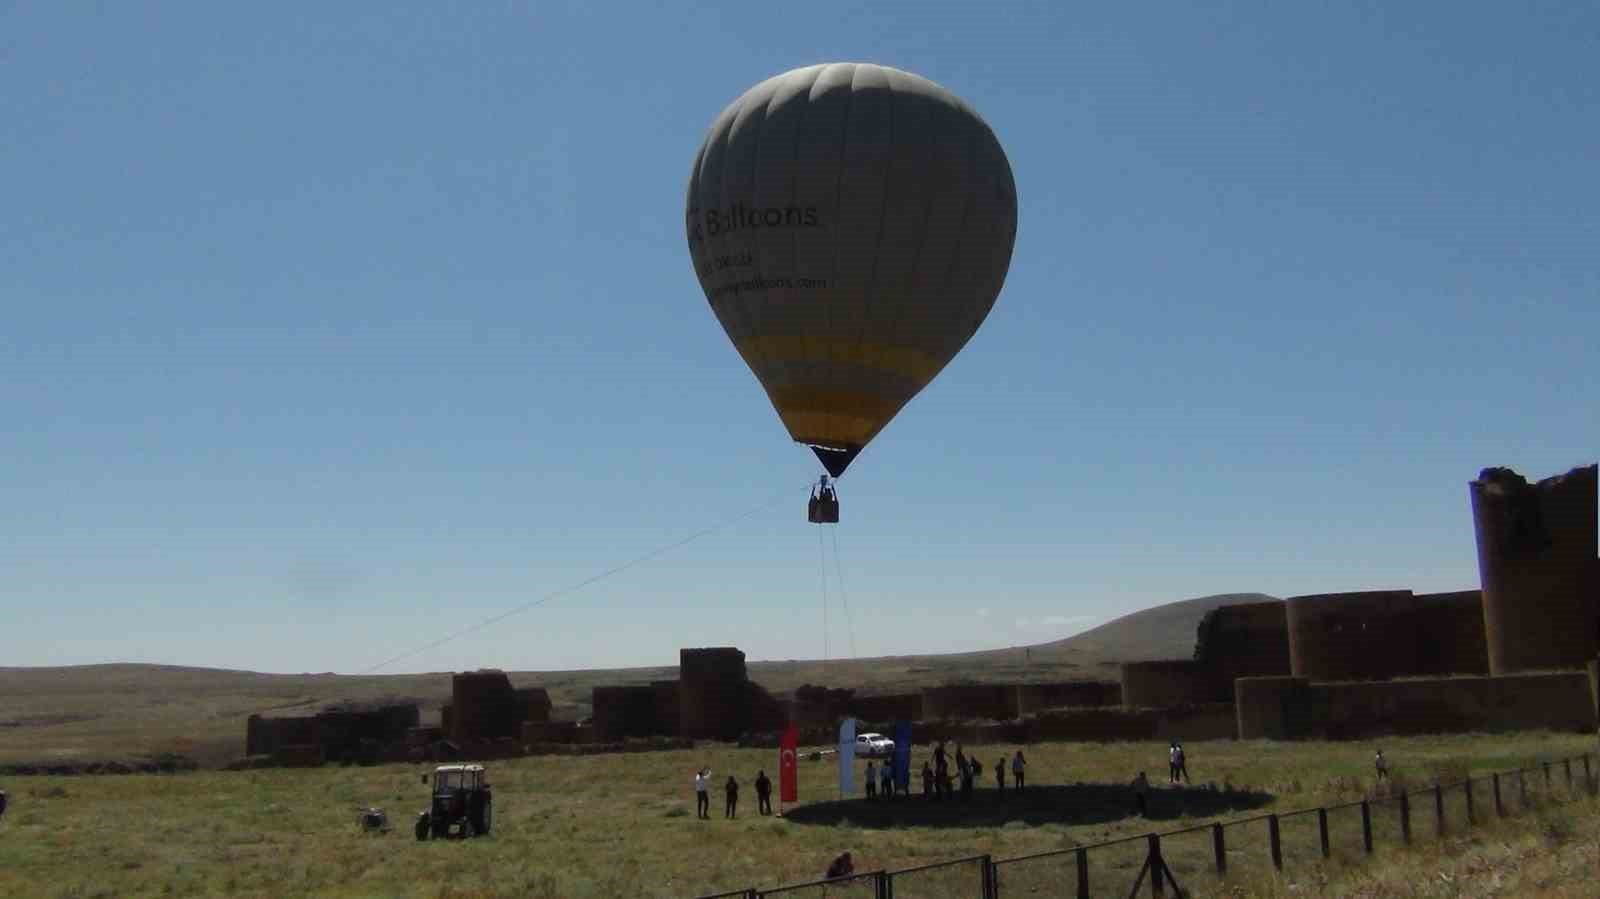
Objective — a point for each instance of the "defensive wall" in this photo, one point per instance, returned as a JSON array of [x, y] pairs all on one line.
[[483, 706], [622, 712], [887, 708], [1537, 563], [1170, 683], [1295, 708], [1246, 640], [965, 702], [1033, 698], [1384, 634], [712, 699], [345, 733]]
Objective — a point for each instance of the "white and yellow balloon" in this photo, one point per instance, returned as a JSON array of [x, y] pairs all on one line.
[[851, 225]]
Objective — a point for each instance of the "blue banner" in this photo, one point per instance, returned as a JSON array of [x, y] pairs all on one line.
[[847, 757], [902, 755]]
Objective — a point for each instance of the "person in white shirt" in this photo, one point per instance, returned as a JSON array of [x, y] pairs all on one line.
[[1382, 765], [702, 801], [1181, 761]]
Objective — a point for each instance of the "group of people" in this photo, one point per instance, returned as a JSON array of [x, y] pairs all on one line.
[[1177, 772], [730, 794], [936, 776]]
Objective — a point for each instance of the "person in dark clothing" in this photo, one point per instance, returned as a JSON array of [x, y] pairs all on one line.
[[763, 793], [872, 780], [927, 780], [961, 760], [1019, 767], [842, 866], [1182, 760], [1000, 775], [1141, 792], [941, 783], [731, 788], [886, 780], [968, 771]]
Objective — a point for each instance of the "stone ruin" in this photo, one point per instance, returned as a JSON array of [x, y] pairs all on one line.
[[348, 733]]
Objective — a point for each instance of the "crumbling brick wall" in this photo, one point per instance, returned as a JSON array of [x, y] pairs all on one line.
[[1067, 694], [712, 700], [1537, 563], [1170, 682], [1384, 634], [533, 704], [483, 706], [964, 702], [1210, 721], [622, 712], [820, 707], [887, 708], [265, 736], [1448, 633], [667, 710]]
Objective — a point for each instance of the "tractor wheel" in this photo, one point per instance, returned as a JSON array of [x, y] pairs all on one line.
[[424, 827]]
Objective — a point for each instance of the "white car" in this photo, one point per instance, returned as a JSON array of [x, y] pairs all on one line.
[[874, 745]]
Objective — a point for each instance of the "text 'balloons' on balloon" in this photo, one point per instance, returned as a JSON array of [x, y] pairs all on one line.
[[851, 226]]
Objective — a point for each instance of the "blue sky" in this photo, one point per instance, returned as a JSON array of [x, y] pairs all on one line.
[[329, 329]]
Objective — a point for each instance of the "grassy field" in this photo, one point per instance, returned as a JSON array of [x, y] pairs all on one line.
[[624, 825], [89, 713]]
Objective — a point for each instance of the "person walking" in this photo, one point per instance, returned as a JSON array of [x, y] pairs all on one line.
[[872, 780], [1182, 760], [1000, 775], [1381, 764], [1019, 766], [731, 790], [702, 801], [1141, 792], [763, 793], [927, 781]]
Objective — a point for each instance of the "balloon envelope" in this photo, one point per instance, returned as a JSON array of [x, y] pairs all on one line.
[[851, 226]]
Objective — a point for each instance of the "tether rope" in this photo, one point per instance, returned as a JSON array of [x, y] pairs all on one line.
[[844, 599], [557, 594]]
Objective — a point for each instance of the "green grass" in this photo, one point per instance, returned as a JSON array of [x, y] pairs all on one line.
[[623, 825]]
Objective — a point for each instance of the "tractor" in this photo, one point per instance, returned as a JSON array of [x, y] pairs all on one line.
[[462, 805]]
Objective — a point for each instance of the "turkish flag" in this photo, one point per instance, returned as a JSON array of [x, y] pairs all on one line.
[[788, 770]]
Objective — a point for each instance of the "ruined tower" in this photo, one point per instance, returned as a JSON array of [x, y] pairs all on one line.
[[1536, 558]]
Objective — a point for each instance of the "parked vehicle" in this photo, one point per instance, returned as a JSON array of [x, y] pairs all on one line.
[[874, 746]]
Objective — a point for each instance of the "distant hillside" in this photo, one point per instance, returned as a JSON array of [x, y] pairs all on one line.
[[100, 712], [1164, 632]]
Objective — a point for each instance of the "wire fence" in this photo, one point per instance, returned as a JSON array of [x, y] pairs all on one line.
[[1202, 858]]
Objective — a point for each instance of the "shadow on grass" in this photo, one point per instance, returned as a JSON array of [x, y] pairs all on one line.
[[1083, 803]]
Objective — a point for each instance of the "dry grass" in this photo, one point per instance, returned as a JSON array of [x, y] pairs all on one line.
[[624, 825]]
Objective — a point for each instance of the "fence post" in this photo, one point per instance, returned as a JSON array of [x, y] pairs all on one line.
[[883, 885], [1219, 847], [1083, 873], [1499, 807], [986, 877], [1405, 817], [1157, 867], [1273, 842], [1472, 814], [1438, 809], [1322, 830], [1366, 826]]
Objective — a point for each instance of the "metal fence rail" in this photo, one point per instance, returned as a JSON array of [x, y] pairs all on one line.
[[1199, 857]]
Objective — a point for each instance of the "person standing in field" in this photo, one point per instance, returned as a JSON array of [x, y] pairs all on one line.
[[1141, 791], [1381, 764], [1019, 766], [927, 781], [1000, 775], [731, 790], [763, 793], [1182, 760], [1172, 763], [702, 801], [872, 780], [886, 780]]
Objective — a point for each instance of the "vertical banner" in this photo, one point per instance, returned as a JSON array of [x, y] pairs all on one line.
[[847, 757], [788, 766], [902, 755]]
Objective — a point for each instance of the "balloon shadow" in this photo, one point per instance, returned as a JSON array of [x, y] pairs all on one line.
[[1081, 803]]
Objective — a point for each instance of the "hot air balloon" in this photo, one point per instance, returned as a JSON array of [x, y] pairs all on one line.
[[851, 226]]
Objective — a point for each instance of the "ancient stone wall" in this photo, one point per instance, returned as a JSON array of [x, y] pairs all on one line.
[[1247, 640], [712, 700], [1448, 633], [533, 704], [1210, 721], [962, 702], [1351, 636], [621, 712], [1175, 682], [549, 732], [887, 709], [1067, 694], [820, 707], [483, 707], [1273, 708], [1536, 559], [1289, 708], [667, 712]]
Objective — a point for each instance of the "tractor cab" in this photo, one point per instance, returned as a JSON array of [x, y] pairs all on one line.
[[824, 505], [462, 803]]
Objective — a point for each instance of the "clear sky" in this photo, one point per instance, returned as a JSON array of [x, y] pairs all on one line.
[[327, 329]]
